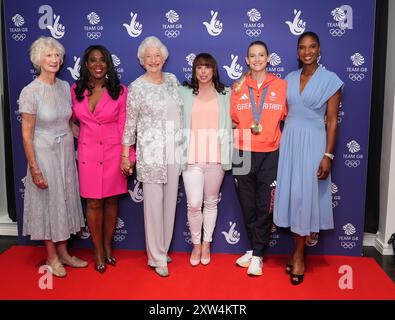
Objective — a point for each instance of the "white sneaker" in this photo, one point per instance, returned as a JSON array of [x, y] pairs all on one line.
[[244, 260], [255, 268]]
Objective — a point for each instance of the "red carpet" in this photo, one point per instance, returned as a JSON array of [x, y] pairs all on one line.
[[220, 280]]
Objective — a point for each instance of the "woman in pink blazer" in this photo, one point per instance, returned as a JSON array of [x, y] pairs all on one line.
[[99, 105]]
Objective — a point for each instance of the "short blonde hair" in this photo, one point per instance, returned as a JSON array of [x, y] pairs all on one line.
[[151, 42], [41, 45]]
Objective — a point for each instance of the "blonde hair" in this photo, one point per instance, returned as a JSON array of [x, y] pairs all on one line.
[[239, 83], [41, 45]]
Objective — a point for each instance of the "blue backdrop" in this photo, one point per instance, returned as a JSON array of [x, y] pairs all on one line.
[[223, 28]]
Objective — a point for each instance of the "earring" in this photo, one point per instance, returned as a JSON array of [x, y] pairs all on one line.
[[106, 76]]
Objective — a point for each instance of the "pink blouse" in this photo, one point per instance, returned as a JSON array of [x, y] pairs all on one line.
[[204, 144]]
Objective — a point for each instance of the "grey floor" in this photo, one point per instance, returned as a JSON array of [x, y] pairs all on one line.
[[387, 263]]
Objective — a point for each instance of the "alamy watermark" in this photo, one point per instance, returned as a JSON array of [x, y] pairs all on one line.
[[172, 148]]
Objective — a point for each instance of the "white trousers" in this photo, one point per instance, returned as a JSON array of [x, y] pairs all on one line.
[[160, 200], [202, 183]]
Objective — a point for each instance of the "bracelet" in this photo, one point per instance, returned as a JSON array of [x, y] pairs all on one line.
[[329, 155]]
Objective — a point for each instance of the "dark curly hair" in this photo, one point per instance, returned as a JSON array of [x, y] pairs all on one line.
[[205, 59], [113, 84]]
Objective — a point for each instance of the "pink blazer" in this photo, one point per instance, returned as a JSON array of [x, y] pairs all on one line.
[[100, 145]]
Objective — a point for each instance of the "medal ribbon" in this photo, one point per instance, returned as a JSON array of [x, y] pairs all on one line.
[[257, 114]]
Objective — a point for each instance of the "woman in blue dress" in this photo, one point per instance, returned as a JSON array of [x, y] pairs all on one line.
[[303, 195]]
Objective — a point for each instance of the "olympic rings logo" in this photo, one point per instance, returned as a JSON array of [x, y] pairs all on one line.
[[188, 240], [334, 204], [272, 243], [119, 237], [253, 32], [19, 36], [188, 76], [172, 33], [337, 32], [85, 233], [348, 244], [311, 242], [93, 35], [356, 76], [352, 163]]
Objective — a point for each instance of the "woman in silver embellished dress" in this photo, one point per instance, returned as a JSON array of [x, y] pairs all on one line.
[[154, 113]]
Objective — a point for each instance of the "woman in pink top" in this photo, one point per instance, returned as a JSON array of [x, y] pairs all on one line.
[[99, 105], [207, 150]]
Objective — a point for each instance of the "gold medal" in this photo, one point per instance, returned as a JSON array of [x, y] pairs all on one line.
[[256, 128]]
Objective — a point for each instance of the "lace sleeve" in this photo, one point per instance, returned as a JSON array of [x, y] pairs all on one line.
[[27, 103], [132, 112]]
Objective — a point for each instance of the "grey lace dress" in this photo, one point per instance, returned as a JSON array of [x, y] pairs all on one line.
[[53, 213]]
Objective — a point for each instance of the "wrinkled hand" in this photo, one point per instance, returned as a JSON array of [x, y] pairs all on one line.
[[38, 178], [324, 168], [126, 167]]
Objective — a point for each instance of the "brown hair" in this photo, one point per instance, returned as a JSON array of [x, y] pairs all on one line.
[[205, 59]]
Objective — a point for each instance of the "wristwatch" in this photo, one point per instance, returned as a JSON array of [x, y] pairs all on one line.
[[329, 155]]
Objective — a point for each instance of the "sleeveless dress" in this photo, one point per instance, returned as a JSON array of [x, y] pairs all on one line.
[[53, 213], [302, 201]]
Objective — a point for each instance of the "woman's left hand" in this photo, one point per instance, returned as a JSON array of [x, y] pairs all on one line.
[[126, 167], [324, 168]]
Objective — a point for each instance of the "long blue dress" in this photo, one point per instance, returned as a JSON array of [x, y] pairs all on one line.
[[302, 201]]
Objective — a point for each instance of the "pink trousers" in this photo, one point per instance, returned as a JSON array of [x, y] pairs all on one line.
[[202, 183]]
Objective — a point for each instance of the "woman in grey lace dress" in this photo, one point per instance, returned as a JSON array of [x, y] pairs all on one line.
[[52, 205], [153, 110]]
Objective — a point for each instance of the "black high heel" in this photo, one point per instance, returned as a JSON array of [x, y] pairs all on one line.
[[296, 278], [111, 260], [101, 267]]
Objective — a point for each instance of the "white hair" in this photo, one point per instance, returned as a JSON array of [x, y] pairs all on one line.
[[151, 42], [40, 46]]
